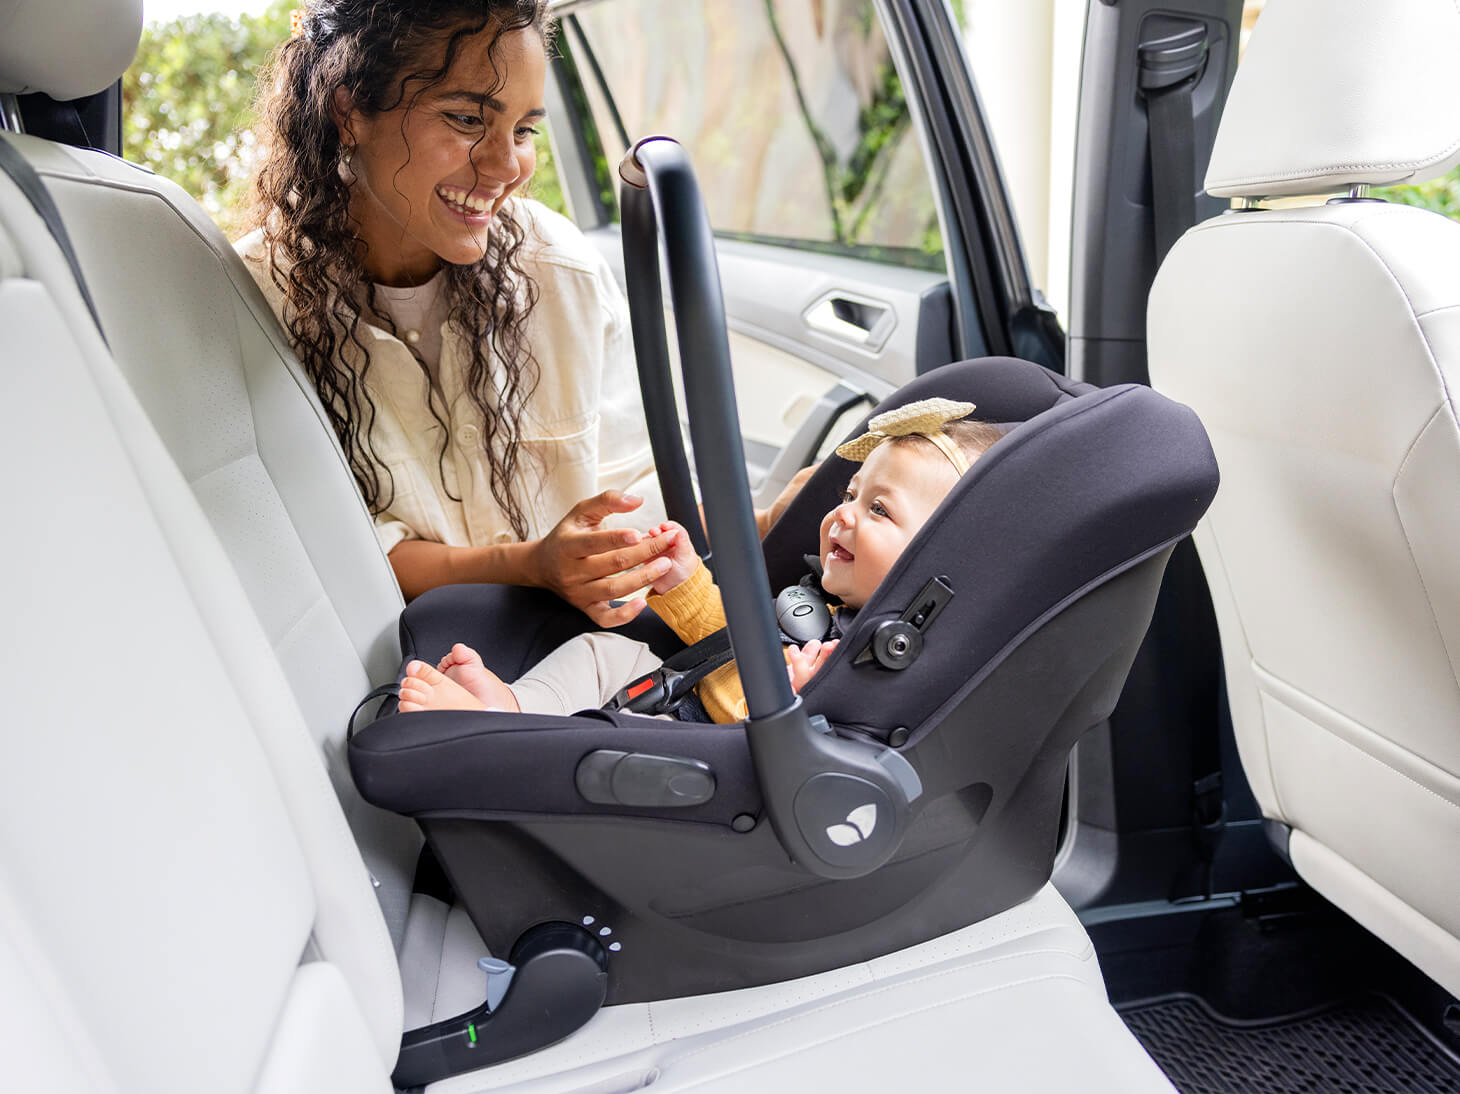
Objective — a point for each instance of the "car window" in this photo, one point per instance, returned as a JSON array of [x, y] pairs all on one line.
[[793, 115]]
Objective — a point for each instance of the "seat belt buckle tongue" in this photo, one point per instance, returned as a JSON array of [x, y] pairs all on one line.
[[648, 694]]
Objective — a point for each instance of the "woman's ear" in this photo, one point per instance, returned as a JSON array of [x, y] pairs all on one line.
[[342, 112]]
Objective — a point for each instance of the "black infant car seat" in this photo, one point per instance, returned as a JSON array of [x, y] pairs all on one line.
[[674, 841]]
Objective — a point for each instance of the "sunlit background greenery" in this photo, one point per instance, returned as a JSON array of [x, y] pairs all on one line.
[[188, 107], [188, 111]]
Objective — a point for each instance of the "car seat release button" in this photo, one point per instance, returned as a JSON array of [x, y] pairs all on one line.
[[499, 979], [610, 777]]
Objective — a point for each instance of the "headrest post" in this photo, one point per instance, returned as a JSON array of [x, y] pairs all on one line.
[[10, 114]]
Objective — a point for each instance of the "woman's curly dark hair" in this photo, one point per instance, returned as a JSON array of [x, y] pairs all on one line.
[[382, 52]]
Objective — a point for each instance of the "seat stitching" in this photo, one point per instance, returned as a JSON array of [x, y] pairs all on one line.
[[880, 987], [1355, 746], [1242, 628], [861, 1028], [1436, 311], [1409, 543], [440, 962]]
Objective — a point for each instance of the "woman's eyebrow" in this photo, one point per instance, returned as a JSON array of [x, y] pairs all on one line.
[[495, 105]]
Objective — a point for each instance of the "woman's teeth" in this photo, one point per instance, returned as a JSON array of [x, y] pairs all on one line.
[[462, 200]]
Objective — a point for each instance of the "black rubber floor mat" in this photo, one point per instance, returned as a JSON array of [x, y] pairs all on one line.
[[1366, 1046]]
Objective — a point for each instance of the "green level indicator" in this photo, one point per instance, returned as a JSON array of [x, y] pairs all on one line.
[[471, 1031]]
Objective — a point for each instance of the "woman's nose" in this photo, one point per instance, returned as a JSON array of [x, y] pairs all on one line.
[[496, 158]]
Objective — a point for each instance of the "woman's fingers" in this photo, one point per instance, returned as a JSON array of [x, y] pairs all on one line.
[[616, 558], [593, 511], [605, 615], [616, 586]]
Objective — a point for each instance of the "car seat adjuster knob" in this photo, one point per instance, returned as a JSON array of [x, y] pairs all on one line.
[[896, 644]]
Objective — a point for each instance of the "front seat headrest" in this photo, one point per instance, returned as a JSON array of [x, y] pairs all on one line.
[[1337, 93], [66, 48]]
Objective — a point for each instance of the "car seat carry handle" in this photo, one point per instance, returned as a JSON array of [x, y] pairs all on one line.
[[840, 807], [659, 176], [651, 352]]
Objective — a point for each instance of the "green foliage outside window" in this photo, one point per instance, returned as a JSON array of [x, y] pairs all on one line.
[[1441, 195], [188, 107]]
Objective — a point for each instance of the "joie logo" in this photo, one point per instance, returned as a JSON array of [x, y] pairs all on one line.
[[859, 825]]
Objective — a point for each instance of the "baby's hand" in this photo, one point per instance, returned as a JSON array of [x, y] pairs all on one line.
[[683, 559], [801, 664]]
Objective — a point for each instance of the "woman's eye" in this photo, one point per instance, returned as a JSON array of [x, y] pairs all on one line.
[[526, 132], [466, 121]]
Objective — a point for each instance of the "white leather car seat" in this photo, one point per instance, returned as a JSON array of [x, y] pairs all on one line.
[[194, 607], [1321, 347]]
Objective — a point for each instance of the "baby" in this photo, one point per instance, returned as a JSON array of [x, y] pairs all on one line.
[[912, 457]]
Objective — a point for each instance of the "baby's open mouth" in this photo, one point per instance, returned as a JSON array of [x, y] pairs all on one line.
[[839, 553]]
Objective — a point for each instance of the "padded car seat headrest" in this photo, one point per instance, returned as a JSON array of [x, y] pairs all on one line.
[[66, 48], [1337, 93], [1089, 483]]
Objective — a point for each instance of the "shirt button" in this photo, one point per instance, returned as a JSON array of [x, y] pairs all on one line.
[[503, 537], [470, 434], [412, 337]]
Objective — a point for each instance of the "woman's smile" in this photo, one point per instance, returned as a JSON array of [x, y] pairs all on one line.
[[474, 207], [428, 175]]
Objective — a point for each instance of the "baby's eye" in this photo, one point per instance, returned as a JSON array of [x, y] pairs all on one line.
[[847, 496], [878, 509]]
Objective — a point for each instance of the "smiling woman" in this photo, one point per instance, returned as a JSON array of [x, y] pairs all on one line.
[[470, 349]]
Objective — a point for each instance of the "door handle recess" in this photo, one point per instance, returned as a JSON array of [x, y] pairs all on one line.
[[854, 320]]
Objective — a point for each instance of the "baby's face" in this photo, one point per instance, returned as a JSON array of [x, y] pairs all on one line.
[[889, 498]]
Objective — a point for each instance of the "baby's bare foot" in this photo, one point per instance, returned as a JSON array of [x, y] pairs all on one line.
[[423, 688], [464, 665]]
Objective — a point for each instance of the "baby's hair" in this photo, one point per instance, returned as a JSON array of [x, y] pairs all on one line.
[[972, 438]]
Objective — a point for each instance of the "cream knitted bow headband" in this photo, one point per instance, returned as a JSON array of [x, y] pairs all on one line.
[[924, 418]]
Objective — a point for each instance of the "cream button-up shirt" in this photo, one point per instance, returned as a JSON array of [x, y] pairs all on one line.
[[583, 428]]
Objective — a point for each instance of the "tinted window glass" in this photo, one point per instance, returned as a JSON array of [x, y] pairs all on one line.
[[792, 113]]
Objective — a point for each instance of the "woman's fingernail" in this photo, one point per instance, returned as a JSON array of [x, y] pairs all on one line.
[[634, 498]]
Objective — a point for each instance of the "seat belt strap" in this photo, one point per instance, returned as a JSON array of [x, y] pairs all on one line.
[[1172, 130], [660, 691], [24, 176]]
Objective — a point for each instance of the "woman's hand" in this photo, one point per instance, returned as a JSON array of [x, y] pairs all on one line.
[[589, 565], [802, 663]]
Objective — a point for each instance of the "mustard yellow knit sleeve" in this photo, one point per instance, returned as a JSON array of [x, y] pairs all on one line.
[[692, 608]]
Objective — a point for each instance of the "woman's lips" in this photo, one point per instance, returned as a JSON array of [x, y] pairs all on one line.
[[465, 204]]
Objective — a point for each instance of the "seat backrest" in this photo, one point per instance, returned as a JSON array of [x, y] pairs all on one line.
[[205, 358], [215, 928], [1321, 348]]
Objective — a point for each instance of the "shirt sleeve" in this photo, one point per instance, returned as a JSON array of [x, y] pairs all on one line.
[[391, 532]]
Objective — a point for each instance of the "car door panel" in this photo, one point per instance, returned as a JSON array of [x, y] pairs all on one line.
[[832, 232]]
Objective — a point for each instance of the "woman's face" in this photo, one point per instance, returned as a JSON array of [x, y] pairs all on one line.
[[429, 175]]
